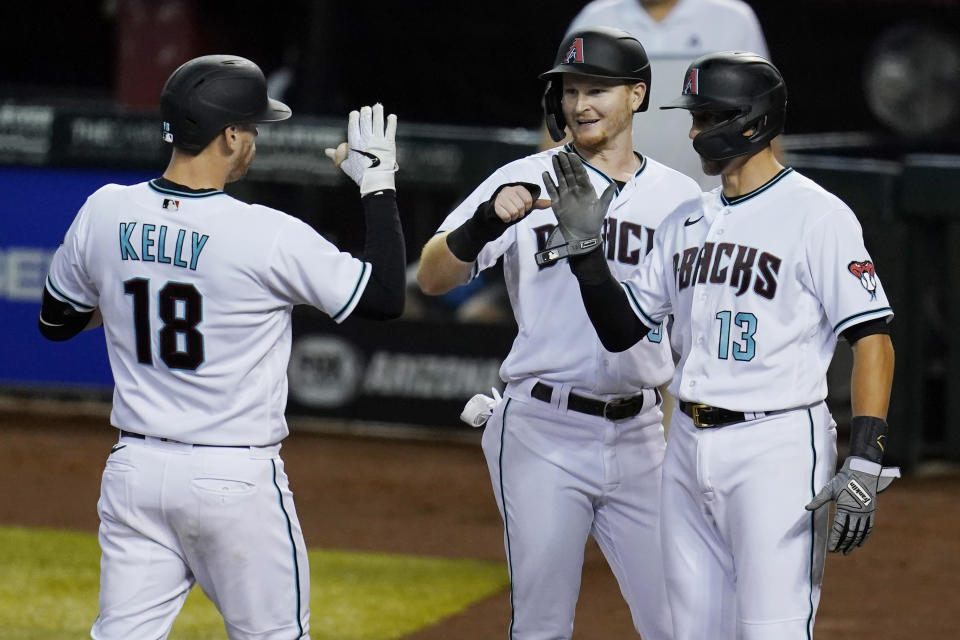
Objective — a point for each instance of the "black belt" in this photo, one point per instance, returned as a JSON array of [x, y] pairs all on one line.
[[618, 409], [140, 436], [704, 416]]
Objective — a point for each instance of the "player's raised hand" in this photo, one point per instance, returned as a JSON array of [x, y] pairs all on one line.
[[516, 200], [579, 211], [369, 156]]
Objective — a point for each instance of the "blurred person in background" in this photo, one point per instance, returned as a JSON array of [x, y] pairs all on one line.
[[674, 32], [575, 447]]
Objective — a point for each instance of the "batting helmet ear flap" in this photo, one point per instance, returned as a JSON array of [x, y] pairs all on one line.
[[553, 110]]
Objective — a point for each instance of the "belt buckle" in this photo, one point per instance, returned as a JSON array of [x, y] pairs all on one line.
[[614, 406], [696, 409]]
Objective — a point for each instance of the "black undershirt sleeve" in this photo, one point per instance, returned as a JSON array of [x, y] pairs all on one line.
[[864, 329], [606, 303], [385, 293], [58, 320], [468, 240]]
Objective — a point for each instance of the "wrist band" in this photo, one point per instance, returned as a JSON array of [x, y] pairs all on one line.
[[467, 241], [868, 437]]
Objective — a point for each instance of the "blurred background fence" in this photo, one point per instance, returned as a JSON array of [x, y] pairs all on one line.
[[874, 116]]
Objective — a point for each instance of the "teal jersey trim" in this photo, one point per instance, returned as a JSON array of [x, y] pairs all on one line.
[[506, 525], [569, 148], [647, 320], [753, 194], [863, 316], [183, 194], [57, 291], [296, 563], [813, 525], [356, 288]]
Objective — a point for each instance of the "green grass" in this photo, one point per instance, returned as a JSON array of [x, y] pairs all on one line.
[[49, 581]]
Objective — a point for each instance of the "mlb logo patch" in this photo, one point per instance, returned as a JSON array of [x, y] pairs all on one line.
[[167, 136], [691, 86], [575, 53], [171, 205]]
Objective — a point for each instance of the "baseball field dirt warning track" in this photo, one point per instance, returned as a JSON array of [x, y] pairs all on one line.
[[434, 499]]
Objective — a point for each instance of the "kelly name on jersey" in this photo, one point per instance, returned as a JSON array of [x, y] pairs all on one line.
[[152, 242]]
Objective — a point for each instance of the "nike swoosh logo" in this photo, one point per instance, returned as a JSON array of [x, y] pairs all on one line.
[[689, 222], [375, 161]]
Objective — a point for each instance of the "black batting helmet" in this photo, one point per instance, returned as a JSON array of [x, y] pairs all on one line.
[[744, 86], [602, 52], [210, 93]]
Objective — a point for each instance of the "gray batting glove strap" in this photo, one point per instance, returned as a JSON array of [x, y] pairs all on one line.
[[579, 211], [854, 490], [558, 247]]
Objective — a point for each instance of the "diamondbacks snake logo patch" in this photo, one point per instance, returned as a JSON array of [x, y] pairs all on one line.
[[867, 275]]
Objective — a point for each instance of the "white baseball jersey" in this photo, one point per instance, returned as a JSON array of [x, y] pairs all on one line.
[[760, 287], [556, 341], [196, 291], [691, 29]]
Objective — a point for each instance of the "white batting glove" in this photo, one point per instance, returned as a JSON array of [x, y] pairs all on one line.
[[479, 408], [369, 156]]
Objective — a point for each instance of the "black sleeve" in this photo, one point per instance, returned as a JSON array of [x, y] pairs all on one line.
[[385, 293], [615, 322], [467, 241], [59, 321], [864, 329]]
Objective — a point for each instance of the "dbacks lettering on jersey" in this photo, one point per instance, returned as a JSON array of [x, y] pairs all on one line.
[[617, 236], [715, 263]]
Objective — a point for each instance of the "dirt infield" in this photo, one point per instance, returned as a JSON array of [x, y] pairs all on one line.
[[434, 498]]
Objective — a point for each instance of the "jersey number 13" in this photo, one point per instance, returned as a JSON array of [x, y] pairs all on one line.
[[744, 346], [181, 310]]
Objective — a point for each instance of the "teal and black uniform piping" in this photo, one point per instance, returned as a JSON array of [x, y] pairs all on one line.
[[293, 545], [349, 303], [506, 525], [813, 520], [569, 148], [847, 322], [752, 194], [78, 305], [171, 188], [644, 316]]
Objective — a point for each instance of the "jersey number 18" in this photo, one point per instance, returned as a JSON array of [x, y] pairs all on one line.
[[175, 324]]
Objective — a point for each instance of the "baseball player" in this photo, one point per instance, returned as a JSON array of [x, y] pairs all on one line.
[[195, 290], [761, 277], [576, 445]]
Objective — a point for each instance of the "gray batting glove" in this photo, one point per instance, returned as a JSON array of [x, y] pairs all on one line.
[[854, 489], [369, 156], [579, 212]]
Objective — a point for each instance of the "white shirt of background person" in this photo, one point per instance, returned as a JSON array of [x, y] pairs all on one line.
[[674, 33]]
